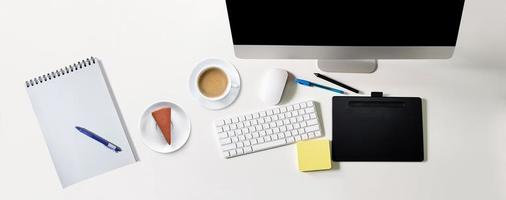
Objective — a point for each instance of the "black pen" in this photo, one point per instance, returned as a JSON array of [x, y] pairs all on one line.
[[336, 82]]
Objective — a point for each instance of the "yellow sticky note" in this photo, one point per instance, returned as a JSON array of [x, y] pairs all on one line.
[[314, 155]]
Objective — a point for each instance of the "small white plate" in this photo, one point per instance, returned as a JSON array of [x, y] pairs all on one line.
[[152, 135], [235, 86]]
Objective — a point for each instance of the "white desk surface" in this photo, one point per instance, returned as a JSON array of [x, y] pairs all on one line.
[[149, 49]]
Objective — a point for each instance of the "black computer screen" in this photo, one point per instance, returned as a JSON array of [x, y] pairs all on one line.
[[345, 22]]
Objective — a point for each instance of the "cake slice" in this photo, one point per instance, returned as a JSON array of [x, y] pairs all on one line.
[[162, 118]]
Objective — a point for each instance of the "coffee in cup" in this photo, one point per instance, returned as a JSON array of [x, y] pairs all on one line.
[[213, 83]]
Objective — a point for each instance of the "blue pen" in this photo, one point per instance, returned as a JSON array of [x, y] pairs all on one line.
[[311, 84], [99, 139]]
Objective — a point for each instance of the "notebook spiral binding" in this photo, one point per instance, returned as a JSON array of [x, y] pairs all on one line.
[[61, 72]]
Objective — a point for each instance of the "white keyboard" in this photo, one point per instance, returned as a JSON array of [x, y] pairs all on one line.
[[278, 126]]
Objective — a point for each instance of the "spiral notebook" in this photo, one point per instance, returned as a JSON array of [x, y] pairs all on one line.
[[80, 121]]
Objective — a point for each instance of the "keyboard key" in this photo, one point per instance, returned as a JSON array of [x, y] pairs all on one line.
[[281, 135], [253, 141], [317, 133], [247, 143], [219, 129], [303, 124], [312, 122], [242, 118], [223, 135], [256, 115], [299, 118], [275, 130], [310, 110], [269, 112], [239, 144], [263, 133], [290, 140], [288, 134], [274, 137], [228, 147], [220, 123], [268, 145], [249, 116], [226, 154], [235, 139], [304, 136], [260, 140], [313, 116], [296, 106], [310, 104], [228, 121], [242, 138], [235, 119], [296, 126], [267, 138], [233, 126], [248, 150], [298, 138], [311, 135], [312, 128], [232, 153], [261, 120], [274, 118], [239, 151], [226, 141]]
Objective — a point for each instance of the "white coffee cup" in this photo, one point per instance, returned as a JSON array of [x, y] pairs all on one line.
[[212, 83]]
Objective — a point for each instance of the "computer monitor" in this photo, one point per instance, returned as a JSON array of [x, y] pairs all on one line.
[[345, 35]]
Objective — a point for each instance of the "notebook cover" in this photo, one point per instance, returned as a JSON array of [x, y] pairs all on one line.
[[377, 129], [79, 95]]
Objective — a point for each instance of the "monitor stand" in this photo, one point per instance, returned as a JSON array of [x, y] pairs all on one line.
[[348, 66]]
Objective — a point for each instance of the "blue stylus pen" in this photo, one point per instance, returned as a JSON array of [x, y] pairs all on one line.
[[311, 84], [103, 141]]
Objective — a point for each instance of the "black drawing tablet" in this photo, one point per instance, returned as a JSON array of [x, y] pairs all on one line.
[[377, 129]]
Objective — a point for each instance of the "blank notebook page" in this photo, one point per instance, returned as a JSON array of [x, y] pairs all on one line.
[[78, 95]]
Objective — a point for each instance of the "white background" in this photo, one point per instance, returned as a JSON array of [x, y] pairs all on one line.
[[149, 49]]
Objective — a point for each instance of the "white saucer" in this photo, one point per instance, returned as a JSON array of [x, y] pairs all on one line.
[[152, 135], [235, 81]]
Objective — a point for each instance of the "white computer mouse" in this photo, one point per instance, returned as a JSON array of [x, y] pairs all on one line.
[[272, 85]]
